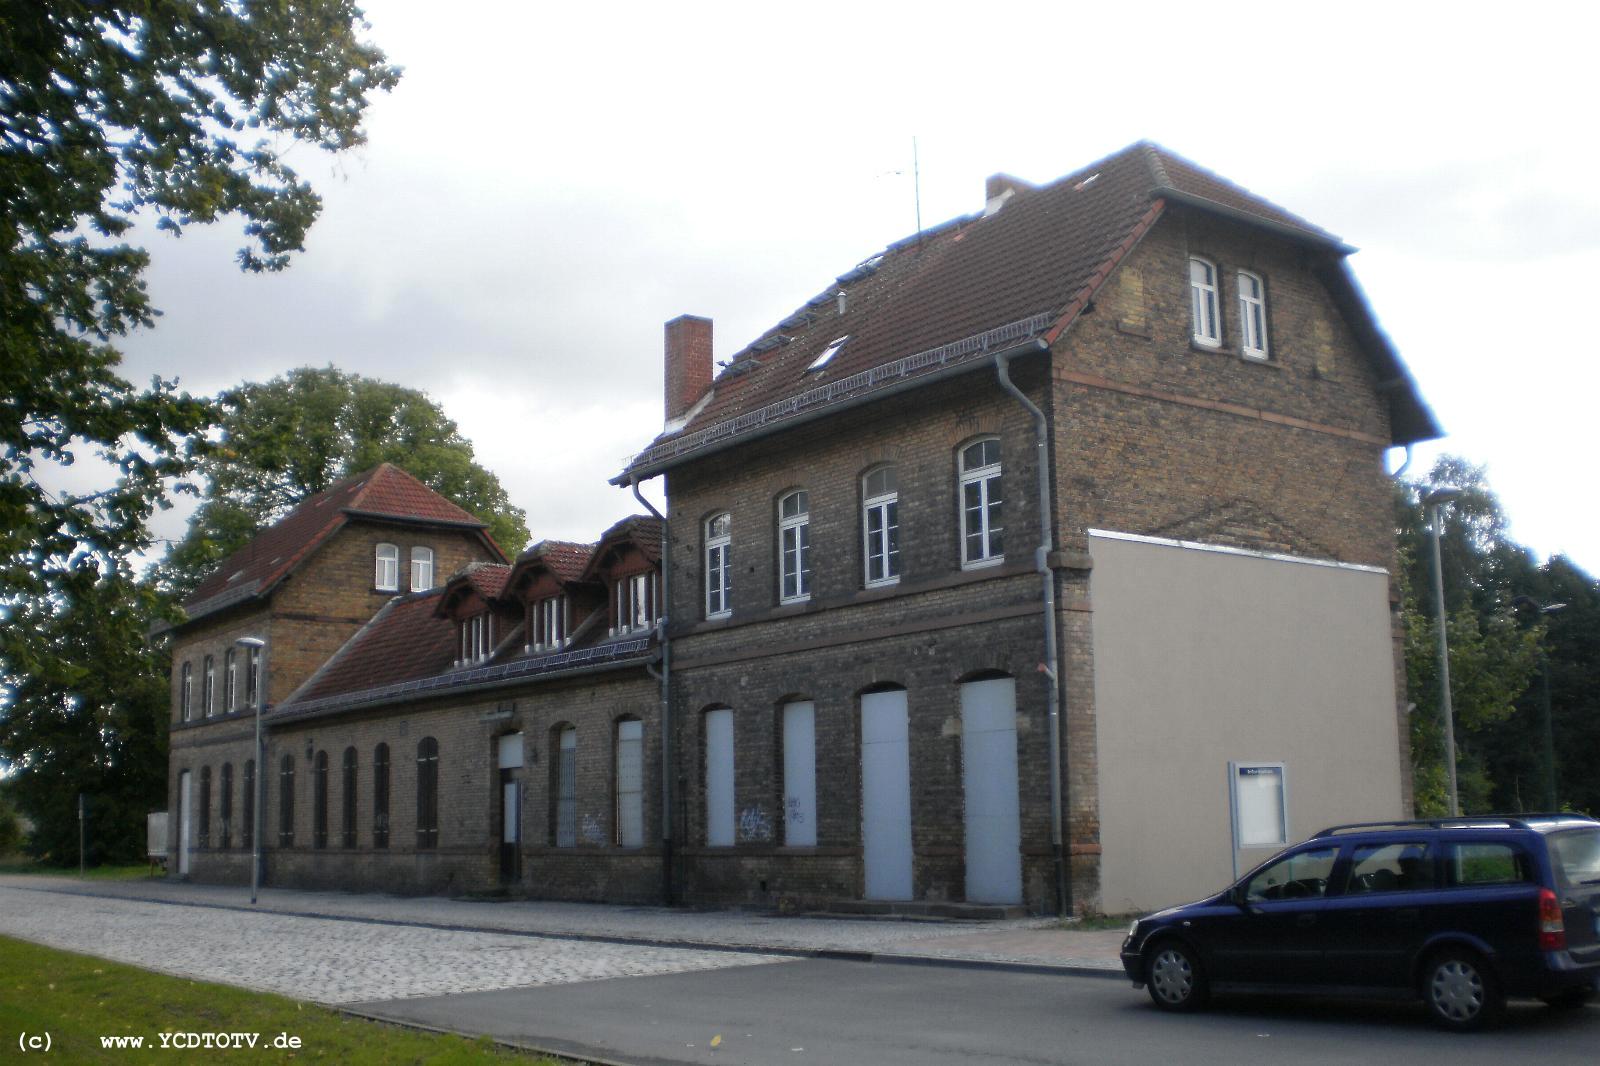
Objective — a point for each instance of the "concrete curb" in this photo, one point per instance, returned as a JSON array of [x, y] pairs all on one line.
[[1075, 968]]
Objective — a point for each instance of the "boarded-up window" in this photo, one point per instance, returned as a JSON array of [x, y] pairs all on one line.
[[247, 824], [427, 793], [225, 805], [630, 784], [800, 775], [205, 807], [719, 777], [566, 790]]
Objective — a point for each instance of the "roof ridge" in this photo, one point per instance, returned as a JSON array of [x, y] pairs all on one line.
[[1158, 166]]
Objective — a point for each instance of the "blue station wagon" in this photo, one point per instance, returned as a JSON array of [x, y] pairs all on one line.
[[1461, 913]]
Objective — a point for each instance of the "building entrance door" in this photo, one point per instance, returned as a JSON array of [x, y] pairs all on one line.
[[185, 821], [989, 787], [886, 795]]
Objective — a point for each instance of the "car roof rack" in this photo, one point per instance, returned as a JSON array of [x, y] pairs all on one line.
[[1466, 821]]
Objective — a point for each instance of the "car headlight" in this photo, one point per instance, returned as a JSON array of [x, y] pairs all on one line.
[[1133, 927]]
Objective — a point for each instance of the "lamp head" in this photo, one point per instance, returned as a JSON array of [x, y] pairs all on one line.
[[1440, 494]]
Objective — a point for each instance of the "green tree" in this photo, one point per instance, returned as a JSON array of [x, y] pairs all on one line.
[[10, 828], [288, 438], [97, 726], [110, 111], [1493, 655]]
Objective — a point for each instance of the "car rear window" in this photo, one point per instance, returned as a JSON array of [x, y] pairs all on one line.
[[1576, 853], [1470, 864]]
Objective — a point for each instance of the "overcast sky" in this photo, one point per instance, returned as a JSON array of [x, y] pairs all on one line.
[[550, 183]]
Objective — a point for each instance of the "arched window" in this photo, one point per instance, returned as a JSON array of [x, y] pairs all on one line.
[[799, 742], [225, 805], [794, 547], [718, 732], [348, 809], [880, 526], [252, 677], [247, 797], [629, 819], [1203, 302], [1252, 316], [427, 793], [205, 807], [286, 802], [319, 801], [981, 530], [421, 569], [719, 578], [230, 681], [208, 686], [386, 578], [186, 693], [565, 788], [380, 796]]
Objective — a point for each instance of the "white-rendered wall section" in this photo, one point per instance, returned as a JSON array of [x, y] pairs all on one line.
[[1204, 657]]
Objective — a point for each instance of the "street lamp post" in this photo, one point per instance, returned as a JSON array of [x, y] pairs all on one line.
[[1545, 725], [260, 645], [1433, 500]]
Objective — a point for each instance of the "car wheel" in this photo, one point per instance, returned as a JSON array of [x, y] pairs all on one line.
[[1174, 978], [1568, 999], [1460, 990]]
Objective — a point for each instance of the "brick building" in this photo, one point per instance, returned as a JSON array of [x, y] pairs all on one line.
[[1043, 559]]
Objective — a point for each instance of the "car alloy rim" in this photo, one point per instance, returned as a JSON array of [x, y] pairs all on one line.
[[1171, 976], [1457, 990]]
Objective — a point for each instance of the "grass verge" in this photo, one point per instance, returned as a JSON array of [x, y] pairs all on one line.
[[21, 864], [78, 999]]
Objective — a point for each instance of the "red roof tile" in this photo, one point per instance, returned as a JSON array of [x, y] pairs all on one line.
[[565, 559], [974, 284], [386, 491], [642, 531], [404, 641]]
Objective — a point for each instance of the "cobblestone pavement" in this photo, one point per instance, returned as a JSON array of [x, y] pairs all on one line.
[[329, 960], [661, 925]]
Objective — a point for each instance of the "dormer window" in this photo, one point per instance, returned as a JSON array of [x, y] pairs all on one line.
[[1203, 302], [550, 623], [421, 569], [477, 639], [636, 603], [386, 578]]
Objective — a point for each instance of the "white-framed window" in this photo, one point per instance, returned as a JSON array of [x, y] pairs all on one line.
[[566, 789], [982, 533], [208, 687], [551, 620], [880, 526], [186, 693], [252, 677], [636, 602], [421, 569], [230, 681], [794, 547], [386, 577], [477, 639], [1252, 316], [1203, 302], [630, 783], [1260, 805], [719, 579]]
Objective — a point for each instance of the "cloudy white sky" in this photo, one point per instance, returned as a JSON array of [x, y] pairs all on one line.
[[550, 183]]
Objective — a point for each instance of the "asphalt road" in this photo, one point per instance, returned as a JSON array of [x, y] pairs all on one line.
[[823, 1011]]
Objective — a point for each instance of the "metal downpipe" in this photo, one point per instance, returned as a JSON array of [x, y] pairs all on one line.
[[664, 676], [1051, 665]]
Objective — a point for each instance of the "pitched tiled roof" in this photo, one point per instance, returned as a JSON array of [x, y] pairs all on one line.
[[563, 558], [974, 286], [643, 531], [488, 579], [404, 641], [386, 491]]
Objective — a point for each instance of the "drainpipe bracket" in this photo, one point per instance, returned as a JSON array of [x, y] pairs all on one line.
[[1071, 560]]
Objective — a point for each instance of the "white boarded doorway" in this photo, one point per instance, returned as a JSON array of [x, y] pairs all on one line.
[[989, 788], [800, 774], [886, 795], [185, 822]]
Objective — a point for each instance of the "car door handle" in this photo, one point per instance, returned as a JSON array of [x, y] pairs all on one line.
[[1306, 919]]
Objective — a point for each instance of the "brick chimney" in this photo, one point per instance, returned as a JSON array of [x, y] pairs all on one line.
[[688, 363]]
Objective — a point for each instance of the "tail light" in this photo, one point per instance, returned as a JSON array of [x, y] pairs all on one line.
[[1552, 929]]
